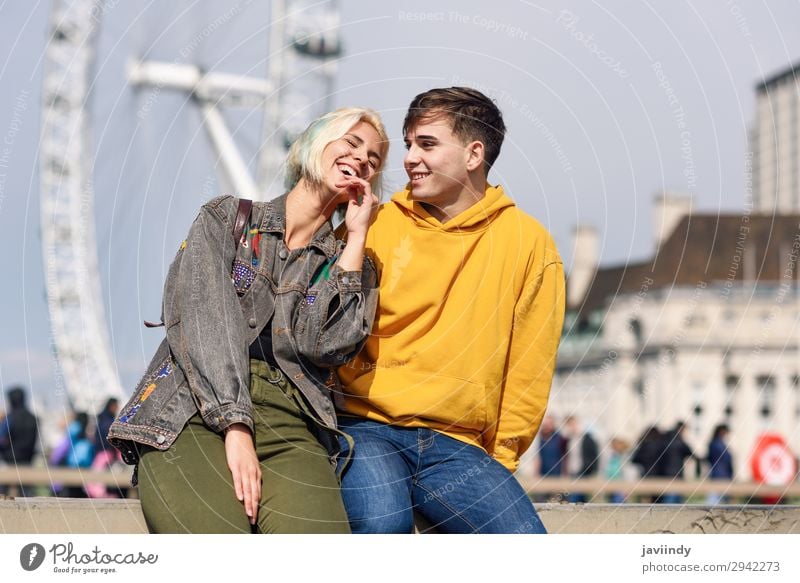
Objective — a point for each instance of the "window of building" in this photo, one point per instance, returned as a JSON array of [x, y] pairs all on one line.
[[731, 384], [638, 387], [636, 329], [766, 394]]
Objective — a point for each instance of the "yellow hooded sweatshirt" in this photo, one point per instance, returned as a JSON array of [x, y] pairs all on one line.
[[468, 324]]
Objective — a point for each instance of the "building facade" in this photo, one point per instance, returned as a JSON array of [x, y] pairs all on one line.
[[706, 332], [775, 143]]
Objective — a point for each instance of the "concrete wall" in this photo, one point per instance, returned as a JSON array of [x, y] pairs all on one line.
[[56, 516]]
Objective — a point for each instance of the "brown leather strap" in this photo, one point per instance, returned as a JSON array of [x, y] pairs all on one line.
[[242, 214], [241, 219]]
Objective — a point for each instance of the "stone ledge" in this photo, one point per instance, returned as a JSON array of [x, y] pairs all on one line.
[[71, 516], [82, 516]]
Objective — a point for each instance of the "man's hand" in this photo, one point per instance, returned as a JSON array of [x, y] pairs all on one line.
[[245, 469]]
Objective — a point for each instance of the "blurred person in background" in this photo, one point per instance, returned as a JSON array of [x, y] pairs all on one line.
[[551, 453], [720, 461], [19, 433], [104, 420], [552, 449], [582, 454], [105, 453], [649, 456], [676, 452], [75, 450], [615, 468]]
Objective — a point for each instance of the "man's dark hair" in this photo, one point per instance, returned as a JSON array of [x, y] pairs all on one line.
[[472, 115]]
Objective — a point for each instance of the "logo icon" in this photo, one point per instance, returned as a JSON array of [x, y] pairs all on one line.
[[31, 556]]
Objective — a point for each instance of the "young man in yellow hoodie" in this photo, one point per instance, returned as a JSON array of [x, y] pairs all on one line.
[[452, 385]]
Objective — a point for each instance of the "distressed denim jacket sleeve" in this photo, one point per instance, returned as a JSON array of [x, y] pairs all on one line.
[[204, 320], [332, 325]]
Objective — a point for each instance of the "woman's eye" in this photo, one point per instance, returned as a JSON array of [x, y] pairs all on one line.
[[351, 142]]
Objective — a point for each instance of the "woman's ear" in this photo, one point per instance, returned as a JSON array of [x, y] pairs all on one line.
[[476, 154]]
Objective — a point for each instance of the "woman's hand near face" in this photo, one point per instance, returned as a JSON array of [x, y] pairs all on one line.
[[361, 204], [245, 469]]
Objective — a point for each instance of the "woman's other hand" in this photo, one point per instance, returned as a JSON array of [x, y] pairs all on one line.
[[245, 469]]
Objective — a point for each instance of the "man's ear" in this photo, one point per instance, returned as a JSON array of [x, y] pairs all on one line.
[[476, 153]]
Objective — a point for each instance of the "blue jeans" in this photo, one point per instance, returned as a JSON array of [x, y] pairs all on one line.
[[456, 487]]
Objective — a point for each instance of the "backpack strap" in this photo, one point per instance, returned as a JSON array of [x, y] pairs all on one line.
[[242, 214]]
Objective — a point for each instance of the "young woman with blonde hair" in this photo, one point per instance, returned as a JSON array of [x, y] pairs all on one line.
[[232, 428]]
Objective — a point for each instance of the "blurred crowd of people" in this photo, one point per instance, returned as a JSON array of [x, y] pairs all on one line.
[[82, 445], [561, 450], [569, 450]]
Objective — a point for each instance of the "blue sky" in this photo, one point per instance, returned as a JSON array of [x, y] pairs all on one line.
[[598, 98]]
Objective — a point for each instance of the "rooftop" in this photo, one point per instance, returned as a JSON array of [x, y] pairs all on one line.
[[706, 248]]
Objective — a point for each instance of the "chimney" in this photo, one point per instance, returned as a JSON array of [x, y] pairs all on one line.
[[670, 207], [584, 263]]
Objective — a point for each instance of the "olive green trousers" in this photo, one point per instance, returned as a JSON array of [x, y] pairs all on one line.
[[189, 489]]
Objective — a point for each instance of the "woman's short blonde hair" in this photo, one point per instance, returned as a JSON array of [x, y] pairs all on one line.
[[305, 155]]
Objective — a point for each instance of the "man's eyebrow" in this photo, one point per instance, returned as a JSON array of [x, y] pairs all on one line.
[[423, 137]]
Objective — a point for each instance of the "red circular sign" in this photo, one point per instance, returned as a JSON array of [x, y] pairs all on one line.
[[772, 462]]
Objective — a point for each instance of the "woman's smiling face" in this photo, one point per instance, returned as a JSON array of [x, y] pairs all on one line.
[[357, 153]]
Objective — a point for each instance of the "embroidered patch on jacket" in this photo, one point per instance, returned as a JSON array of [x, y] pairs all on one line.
[[242, 276], [147, 392], [165, 369], [324, 271], [162, 371], [127, 417], [256, 238]]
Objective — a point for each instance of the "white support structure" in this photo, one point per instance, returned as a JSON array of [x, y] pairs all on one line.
[[217, 88], [230, 158], [75, 301], [303, 41], [269, 162]]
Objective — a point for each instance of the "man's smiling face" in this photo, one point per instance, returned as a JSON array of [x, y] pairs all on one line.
[[436, 162]]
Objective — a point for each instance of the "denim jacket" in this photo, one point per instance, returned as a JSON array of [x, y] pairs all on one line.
[[217, 300]]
